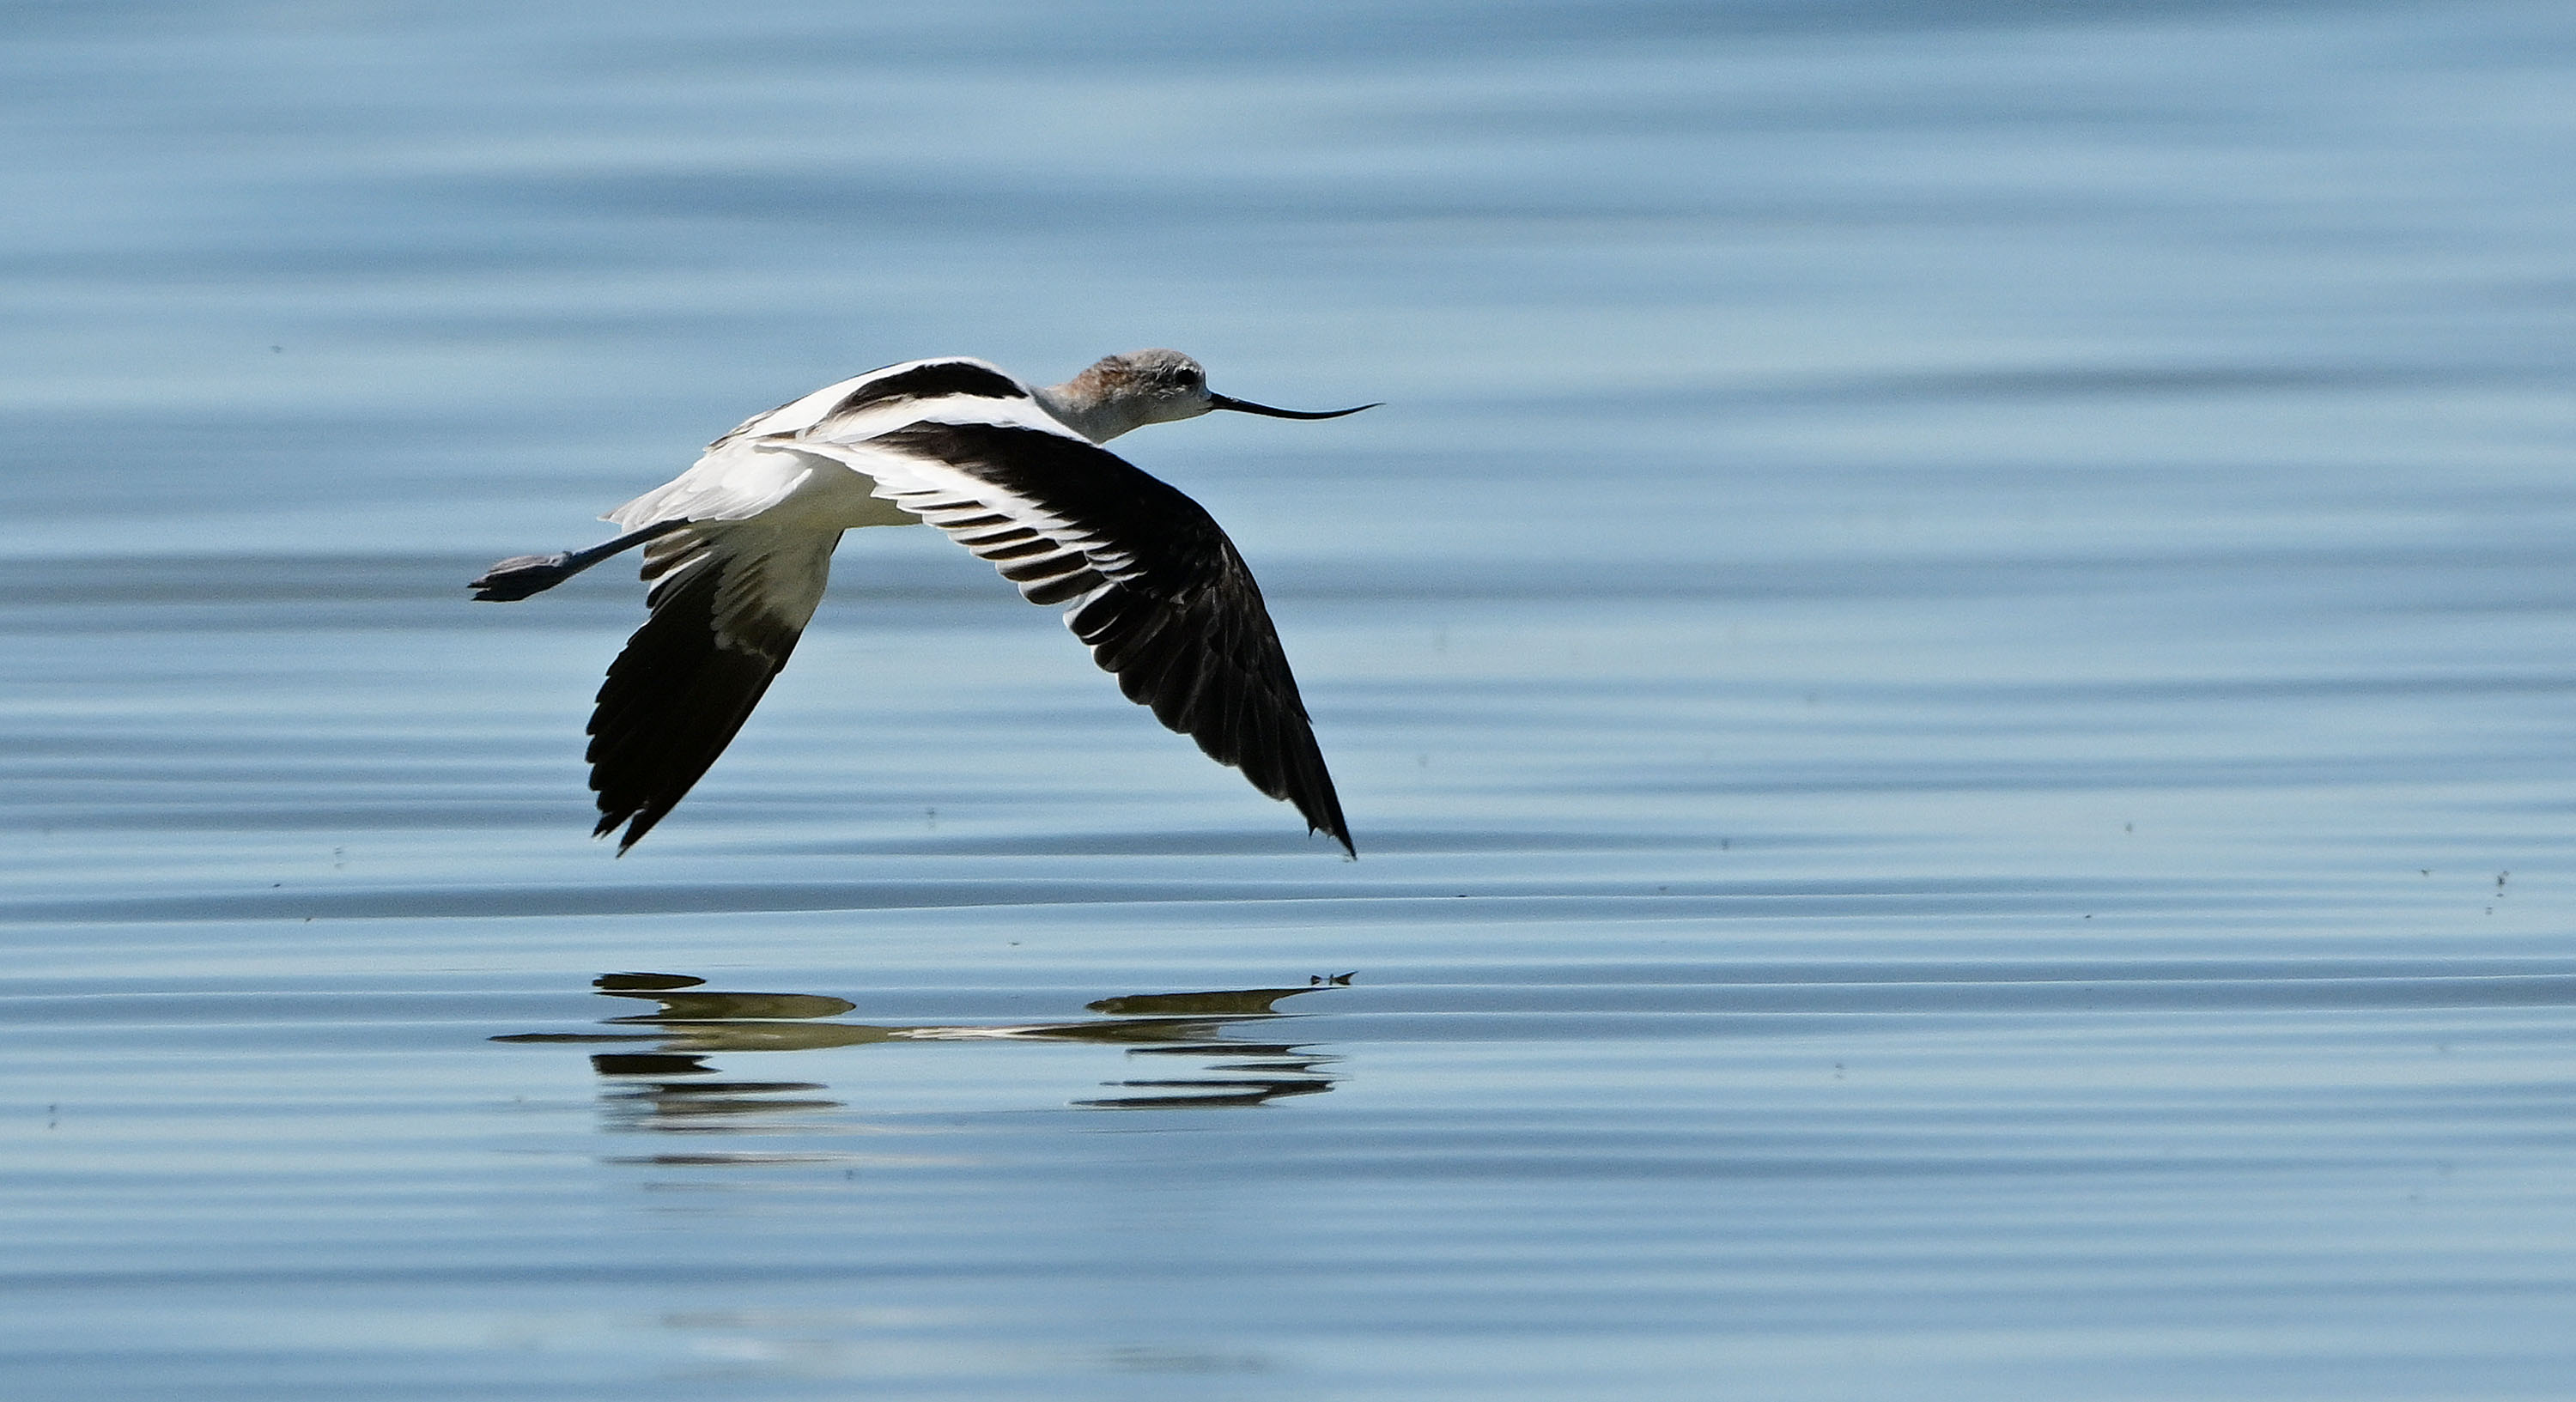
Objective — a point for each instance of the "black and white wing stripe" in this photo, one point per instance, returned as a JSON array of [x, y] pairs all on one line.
[[1151, 582], [909, 385], [756, 467], [729, 602]]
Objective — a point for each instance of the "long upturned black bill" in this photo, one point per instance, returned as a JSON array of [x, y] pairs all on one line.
[[1245, 406]]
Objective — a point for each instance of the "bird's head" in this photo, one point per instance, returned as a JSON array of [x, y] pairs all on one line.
[[1129, 391]]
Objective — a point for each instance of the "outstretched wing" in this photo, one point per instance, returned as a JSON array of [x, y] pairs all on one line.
[[729, 601], [757, 467], [1150, 582]]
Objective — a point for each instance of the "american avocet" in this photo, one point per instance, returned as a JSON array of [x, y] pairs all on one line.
[[738, 548]]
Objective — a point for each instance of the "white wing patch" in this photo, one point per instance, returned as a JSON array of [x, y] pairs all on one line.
[[772, 580], [736, 480]]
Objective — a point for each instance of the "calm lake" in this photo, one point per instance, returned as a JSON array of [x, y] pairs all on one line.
[[1953, 663]]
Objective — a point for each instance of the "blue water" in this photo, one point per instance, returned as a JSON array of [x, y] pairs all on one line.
[[1951, 662]]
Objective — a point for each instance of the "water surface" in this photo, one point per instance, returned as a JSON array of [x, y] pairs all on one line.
[[1950, 662]]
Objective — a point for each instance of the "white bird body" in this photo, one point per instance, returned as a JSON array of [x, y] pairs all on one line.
[[739, 550]]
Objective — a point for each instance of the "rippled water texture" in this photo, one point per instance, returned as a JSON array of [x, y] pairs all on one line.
[[1951, 663]]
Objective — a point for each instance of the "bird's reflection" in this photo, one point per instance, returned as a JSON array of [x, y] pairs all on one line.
[[672, 1085]]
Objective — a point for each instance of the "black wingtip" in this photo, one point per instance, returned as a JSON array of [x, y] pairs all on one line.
[[677, 695], [637, 821], [635, 831]]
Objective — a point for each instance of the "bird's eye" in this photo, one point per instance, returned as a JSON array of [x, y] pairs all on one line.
[[1190, 379]]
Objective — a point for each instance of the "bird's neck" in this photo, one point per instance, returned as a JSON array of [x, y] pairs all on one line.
[[1080, 405]]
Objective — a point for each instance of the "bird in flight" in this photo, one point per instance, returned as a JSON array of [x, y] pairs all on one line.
[[738, 549]]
